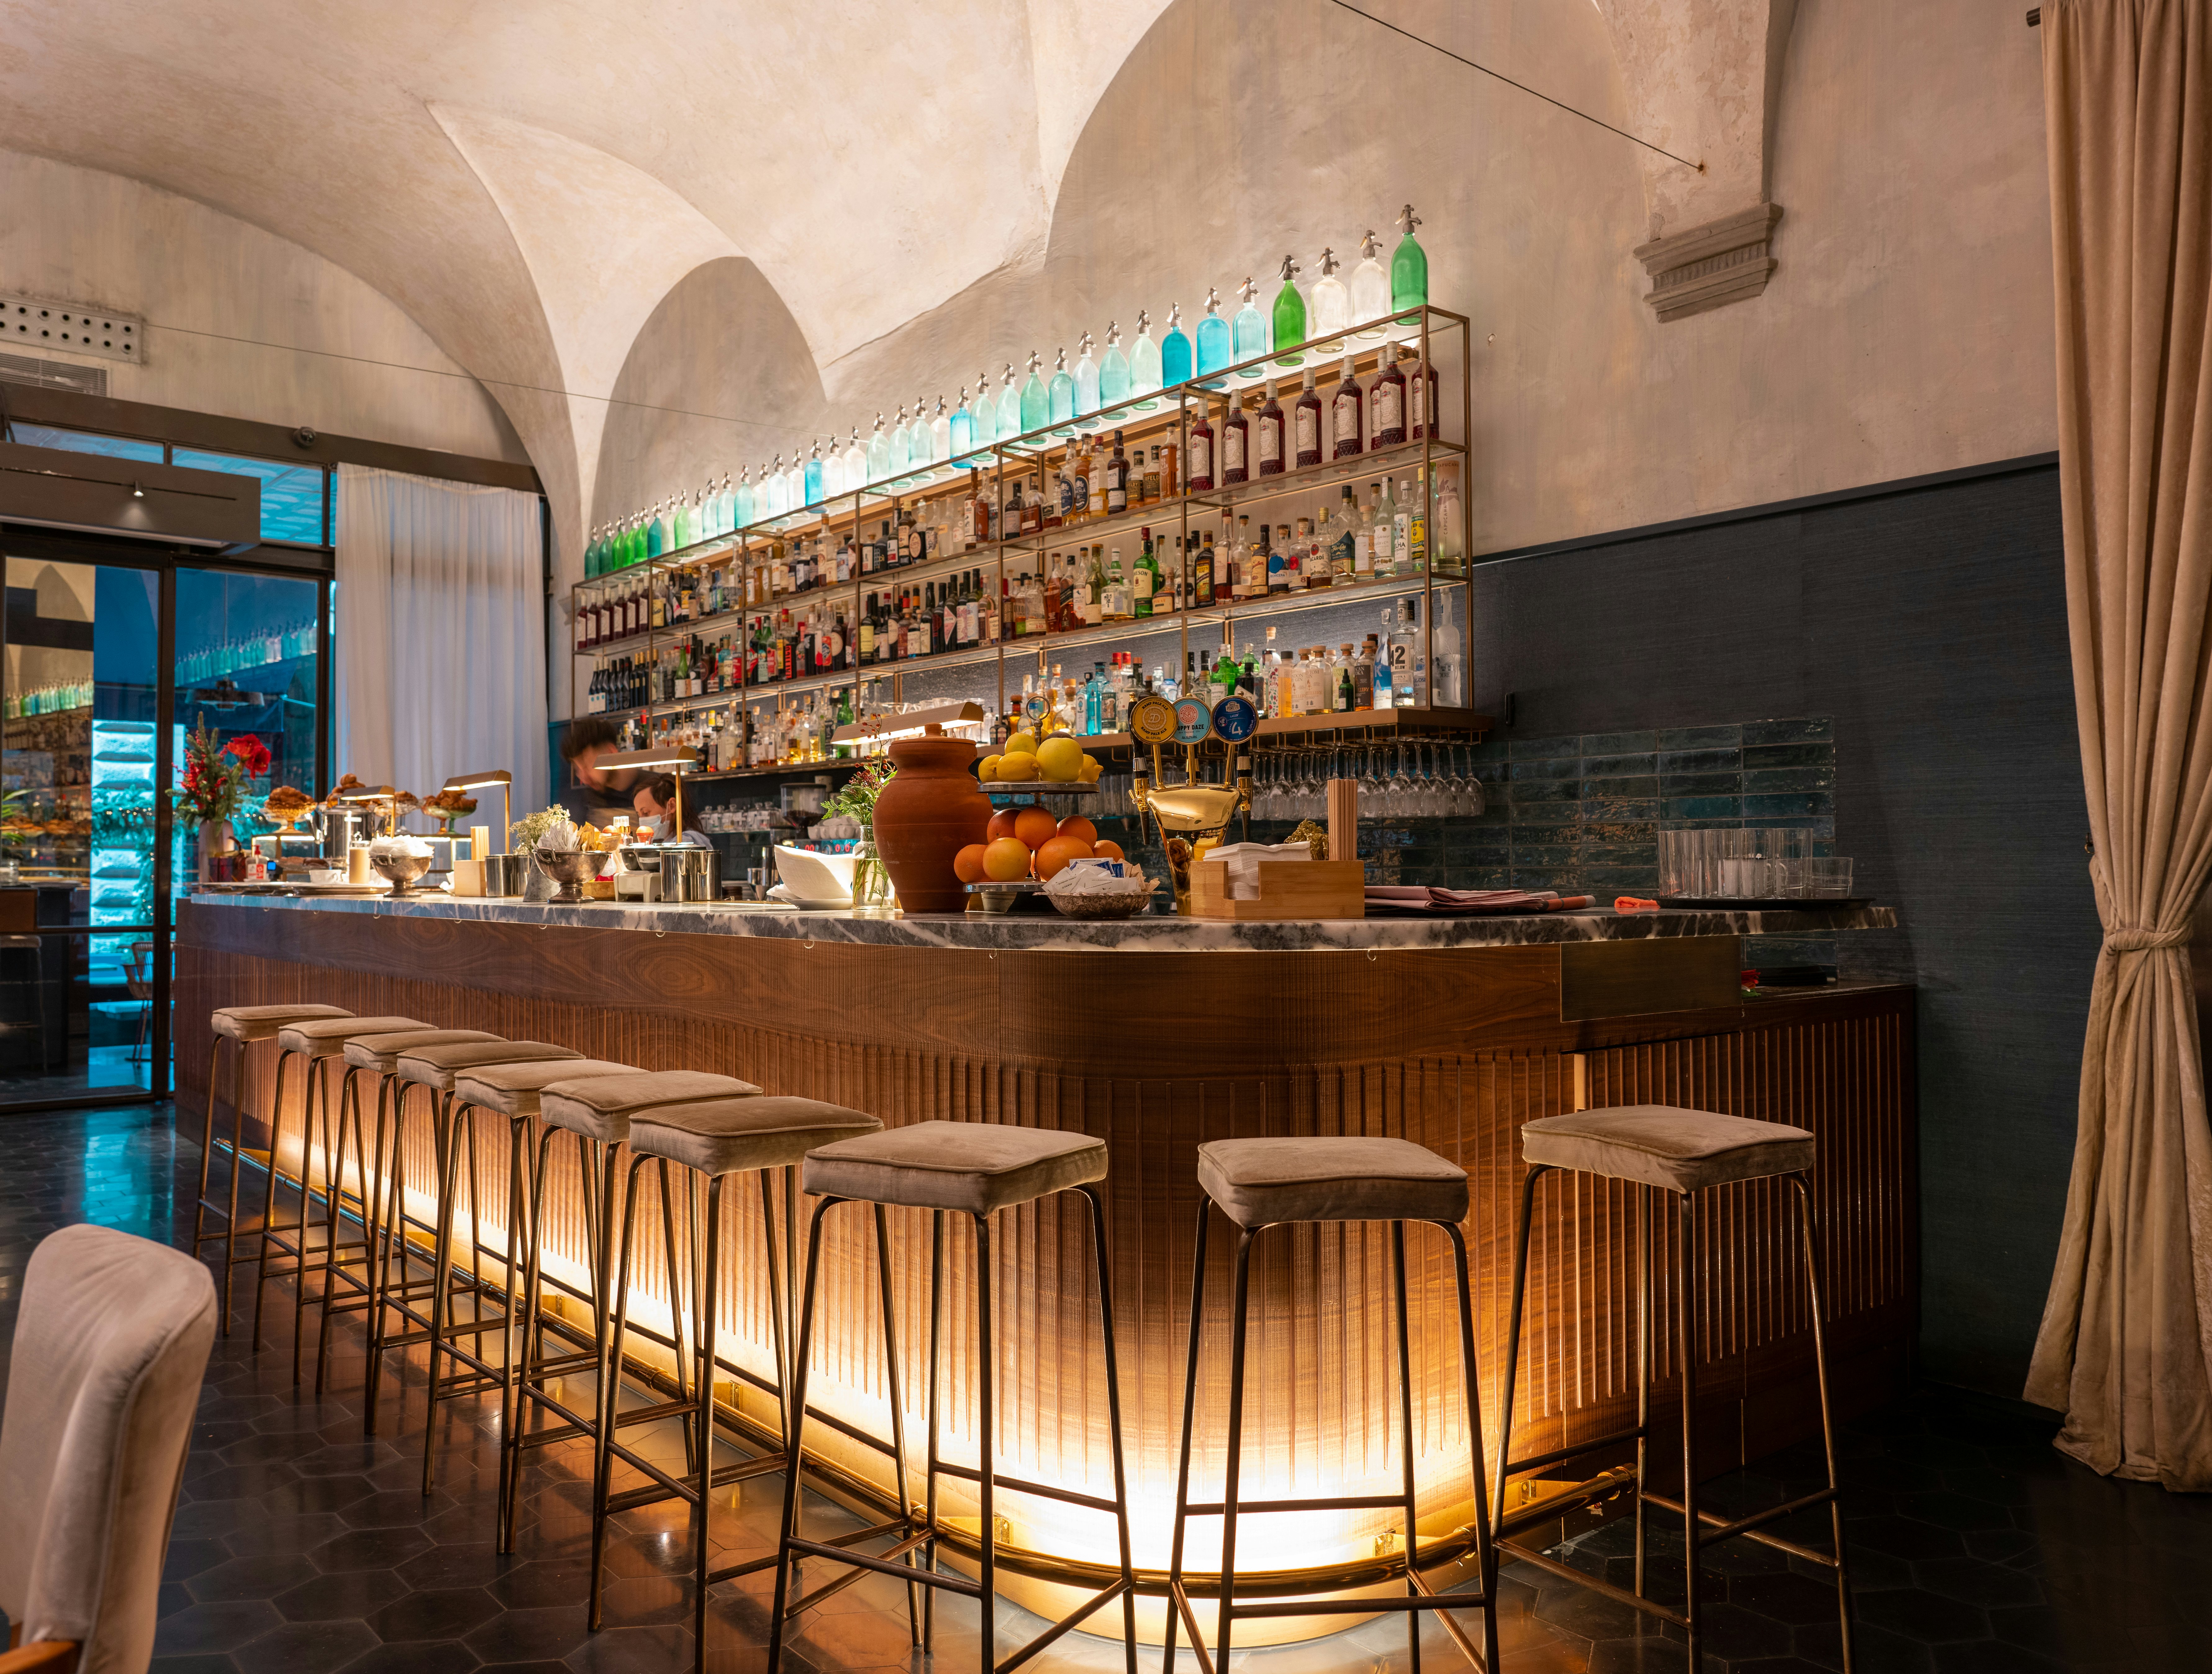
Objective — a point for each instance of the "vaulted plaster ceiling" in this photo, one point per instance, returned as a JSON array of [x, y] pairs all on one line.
[[528, 178]]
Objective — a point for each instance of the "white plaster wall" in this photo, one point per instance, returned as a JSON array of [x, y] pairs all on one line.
[[1907, 331], [83, 234]]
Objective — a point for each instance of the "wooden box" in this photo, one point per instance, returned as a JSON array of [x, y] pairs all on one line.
[[1288, 890]]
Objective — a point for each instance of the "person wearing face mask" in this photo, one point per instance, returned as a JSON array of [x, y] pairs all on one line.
[[655, 801]]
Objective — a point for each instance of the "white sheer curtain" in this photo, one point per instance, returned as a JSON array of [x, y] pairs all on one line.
[[440, 635]]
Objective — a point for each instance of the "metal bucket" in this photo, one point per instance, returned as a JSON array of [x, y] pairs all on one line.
[[506, 875], [688, 873]]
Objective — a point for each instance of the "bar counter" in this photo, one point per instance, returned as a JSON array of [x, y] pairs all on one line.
[[1156, 1034]]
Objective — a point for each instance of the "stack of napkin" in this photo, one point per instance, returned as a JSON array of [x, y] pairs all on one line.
[[1383, 898], [1243, 860]]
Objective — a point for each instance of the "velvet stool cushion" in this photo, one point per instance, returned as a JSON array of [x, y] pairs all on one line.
[[262, 1022], [1260, 1182], [716, 1137], [1661, 1145], [601, 1107], [435, 1064], [326, 1037], [380, 1052], [970, 1167], [111, 1344], [513, 1089]]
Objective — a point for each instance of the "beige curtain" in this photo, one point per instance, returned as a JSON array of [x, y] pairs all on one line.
[[2125, 1347]]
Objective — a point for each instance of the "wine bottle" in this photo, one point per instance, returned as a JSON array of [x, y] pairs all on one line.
[[1305, 426], [1199, 477], [1386, 404]]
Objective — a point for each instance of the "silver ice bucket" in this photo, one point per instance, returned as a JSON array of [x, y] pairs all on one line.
[[689, 873]]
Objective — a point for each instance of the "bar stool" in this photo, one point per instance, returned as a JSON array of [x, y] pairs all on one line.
[[596, 1112], [1659, 1148], [975, 1169], [712, 1139], [321, 1042], [1262, 1183], [240, 1025], [454, 1134]]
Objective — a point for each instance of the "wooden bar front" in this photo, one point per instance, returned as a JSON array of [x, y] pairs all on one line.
[[1154, 1051]]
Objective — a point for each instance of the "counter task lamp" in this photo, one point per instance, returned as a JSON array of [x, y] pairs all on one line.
[[482, 781], [675, 759]]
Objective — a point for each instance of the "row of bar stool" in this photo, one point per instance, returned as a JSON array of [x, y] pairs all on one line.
[[697, 1130]]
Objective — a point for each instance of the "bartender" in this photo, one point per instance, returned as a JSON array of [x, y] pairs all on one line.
[[600, 794], [654, 803]]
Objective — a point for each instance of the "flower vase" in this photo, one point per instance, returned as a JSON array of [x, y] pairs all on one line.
[[871, 884], [216, 838]]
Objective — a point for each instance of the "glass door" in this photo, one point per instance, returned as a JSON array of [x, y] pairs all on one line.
[[81, 942]]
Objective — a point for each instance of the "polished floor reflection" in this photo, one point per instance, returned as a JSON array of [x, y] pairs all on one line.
[[301, 1547]]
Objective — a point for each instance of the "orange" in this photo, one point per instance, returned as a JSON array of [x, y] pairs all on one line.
[[1058, 853], [1107, 850], [1076, 826], [1007, 860], [967, 864], [1002, 823], [1035, 827]]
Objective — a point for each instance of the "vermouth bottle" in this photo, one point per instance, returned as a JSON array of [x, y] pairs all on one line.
[[1305, 426], [1290, 321], [1199, 478], [1386, 405], [1236, 437], [1250, 328], [1175, 350], [1215, 349], [1269, 438]]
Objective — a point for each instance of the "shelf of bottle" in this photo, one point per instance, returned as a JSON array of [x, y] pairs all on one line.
[[775, 770], [1154, 409]]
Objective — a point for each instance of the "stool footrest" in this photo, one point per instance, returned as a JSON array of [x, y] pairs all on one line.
[[1022, 1485], [1262, 1508], [1536, 1461], [1066, 1624], [1751, 1527], [1179, 1602], [1435, 1601], [884, 1566], [829, 1590]]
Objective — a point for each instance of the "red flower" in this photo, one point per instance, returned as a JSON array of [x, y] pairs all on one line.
[[251, 751]]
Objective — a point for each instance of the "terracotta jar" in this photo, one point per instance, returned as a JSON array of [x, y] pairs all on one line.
[[930, 811]]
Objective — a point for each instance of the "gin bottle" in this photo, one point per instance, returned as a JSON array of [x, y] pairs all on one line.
[[1086, 379], [1175, 350], [1290, 321], [1216, 344], [961, 431], [1371, 289], [1250, 329], [813, 476], [1113, 369], [879, 452], [1060, 396], [1036, 412], [1331, 301], [1409, 266], [940, 435], [1145, 362], [1010, 406]]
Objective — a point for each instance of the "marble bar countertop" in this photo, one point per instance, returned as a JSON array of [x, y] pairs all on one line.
[[1155, 933]]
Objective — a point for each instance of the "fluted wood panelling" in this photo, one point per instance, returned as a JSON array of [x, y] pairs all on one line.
[[1319, 1411]]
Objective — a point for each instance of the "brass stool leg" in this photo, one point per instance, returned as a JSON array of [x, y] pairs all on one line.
[[1113, 1422], [392, 1233], [929, 1463], [1486, 1558], [987, 1433], [230, 1257], [1233, 1467], [269, 1224], [1406, 1440], [788, 1525], [316, 1112], [201, 1235], [1178, 1599], [524, 1360], [457, 1136], [611, 1382], [1685, 1311], [1827, 1421], [350, 1121], [898, 1406], [1646, 1202], [704, 1304], [1513, 1347]]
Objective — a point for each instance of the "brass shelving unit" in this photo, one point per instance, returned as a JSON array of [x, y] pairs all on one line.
[[1145, 420]]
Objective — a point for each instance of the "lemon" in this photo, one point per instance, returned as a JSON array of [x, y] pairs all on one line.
[[1017, 768], [1087, 774], [988, 768], [1060, 758], [1022, 744]]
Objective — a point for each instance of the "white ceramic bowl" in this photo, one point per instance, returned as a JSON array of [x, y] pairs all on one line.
[[327, 878], [811, 877]]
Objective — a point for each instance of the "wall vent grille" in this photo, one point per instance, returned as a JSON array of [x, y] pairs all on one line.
[[53, 374], [34, 322]]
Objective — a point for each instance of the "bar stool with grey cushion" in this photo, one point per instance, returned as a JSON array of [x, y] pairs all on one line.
[[377, 1056], [1285, 1181], [975, 1169], [111, 1344], [434, 1065], [712, 1139], [595, 1111], [1683, 1153], [240, 1025], [320, 1042]]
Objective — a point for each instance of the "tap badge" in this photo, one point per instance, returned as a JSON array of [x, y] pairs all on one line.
[[1194, 720], [1236, 719], [1153, 719]]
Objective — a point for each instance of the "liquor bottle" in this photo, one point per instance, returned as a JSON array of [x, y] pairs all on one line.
[[1371, 289], [1270, 460], [1235, 435], [983, 414], [814, 476], [1175, 350], [1408, 657], [1117, 479], [1215, 341], [1290, 320], [1409, 266], [1201, 575], [1343, 532], [1416, 520], [1148, 596], [1150, 493], [1448, 550], [1113, 370], [1305, 426], [1332, 302], [1034, 406], [1144, 361], [1420, 393], [1382, 526], [940, 435], [1114, 598], [1086, 377], [1250, 328], [1200, 479], [1347, 407], [1385, 403], [1060, 396], [1090, 602]]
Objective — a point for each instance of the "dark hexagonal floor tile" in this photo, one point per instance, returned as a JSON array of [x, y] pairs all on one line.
[[395, 1508], [443, 1613], [212, 1663], [369, 1548], [1977, 1581], [304, 1647], [1954, 1511], [1929, 1617], [1875, 1650], [543, 1583], [353, 1592], [530, 1634], [262, 1577], [1903, 1537], [186, 1558], [217, 1626], [271, 1532], [1786, 1597], [448, 1658], [1988, 1657]]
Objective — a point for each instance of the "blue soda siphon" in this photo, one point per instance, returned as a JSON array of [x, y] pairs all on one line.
[[1113, 369], [1035, 411], [1059, 398], [1215, 344], [1250, 329]]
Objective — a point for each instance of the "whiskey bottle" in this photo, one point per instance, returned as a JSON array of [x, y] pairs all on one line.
[[1117, 479]]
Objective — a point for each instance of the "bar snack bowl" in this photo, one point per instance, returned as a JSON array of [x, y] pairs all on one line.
[[571, 869]]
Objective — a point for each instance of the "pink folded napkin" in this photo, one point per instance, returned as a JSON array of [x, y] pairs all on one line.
[[1418, 898]]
